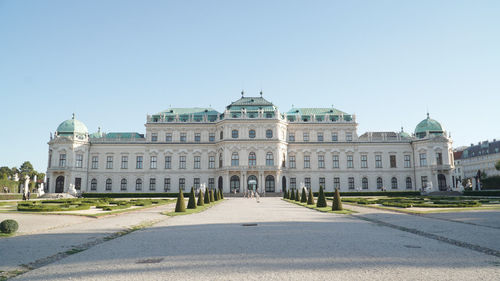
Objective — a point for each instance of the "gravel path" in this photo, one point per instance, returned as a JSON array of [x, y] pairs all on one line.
[[289, 242]]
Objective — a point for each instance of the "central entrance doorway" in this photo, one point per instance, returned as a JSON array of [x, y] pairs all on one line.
[[60, 184], [252, 183], [234, 184], [270, 184]]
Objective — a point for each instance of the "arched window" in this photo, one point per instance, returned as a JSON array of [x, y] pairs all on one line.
[[123, 184], [220, 160], [234, 134], [93, 184], [221, 135], [380, 183], [109, 183], [269, 134], [234, 184], [394, 183], [269, 183], [364, 183], [269, 159], [408, 183], [252, 159], [251, 134], [138, 184], [235, 159]]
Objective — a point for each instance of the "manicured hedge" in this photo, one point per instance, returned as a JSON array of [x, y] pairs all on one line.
[[482, 193], [373, 193], [491, 183], [129, 195], [38, 207], [15, 196]]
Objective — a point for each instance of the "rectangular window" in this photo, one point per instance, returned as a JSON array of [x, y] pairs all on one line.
[[196, 183], [364, 161], [168, 162], [336, 183], [407, 161], [109, 162], [321, 161], [322, 182], [392, 160], [79, 161], [78, 183], [211, 183], [182, 184], [197, 137], [307, 161], [183, 137], [351, 183], [168, 137], [154, 137], [62, 160], [166, 184], [152, 184], [138, 162], [291, 159], [293, 183], [424, 181], [350, 162], [95, 162], [335, 137], [348, 137], [378, 161], [320, 137], [307, 182], [124, 162], [211, 162], [197, 162], [291, 137], [305, 136], [152, 163], [336, 161], [234, 134], [211, 137], [182, 162], [439, 158], [423, 159]]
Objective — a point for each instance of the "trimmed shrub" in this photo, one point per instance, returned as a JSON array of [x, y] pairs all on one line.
[[192, 200], [201, 199], [206, 199], [321, 198], [180, 206], [216, 194], [287, 194], [303, 197], [9, 226], [292, 195], [221, 194], [337, 202], [490, 183], [310, 197], [128, 195], [284, 195], [212, 199], [297, 198], [482, 193]]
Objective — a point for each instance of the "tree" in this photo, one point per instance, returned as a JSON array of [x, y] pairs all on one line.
[[207, 197], [26, 169], [497, 165], [180, 206], [337, 203], [303, 197], [201, 199], [4, 172], [321, 198], [310, 198], [192, 200]]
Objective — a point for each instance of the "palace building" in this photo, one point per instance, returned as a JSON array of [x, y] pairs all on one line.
[[250, 141]]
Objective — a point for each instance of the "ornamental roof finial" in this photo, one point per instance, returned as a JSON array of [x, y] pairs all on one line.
[[261, 93], [73, 116], [242, 93]]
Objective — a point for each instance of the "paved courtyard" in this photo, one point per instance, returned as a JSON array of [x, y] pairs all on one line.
[[275, 240]]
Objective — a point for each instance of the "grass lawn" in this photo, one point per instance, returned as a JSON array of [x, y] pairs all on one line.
[[327, 209], [193, 211]]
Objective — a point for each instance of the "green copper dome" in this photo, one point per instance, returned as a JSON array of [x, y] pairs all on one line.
[[428, 126], [72, 126]]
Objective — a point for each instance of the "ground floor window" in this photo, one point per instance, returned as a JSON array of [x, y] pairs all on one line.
[[270, 184], [166, 184], [364, 183], [394, 183], [408, 183], [380, 183], [138, 184], [336, 183], [293, 183], [234, 184], [152, 184], [351, 183], [123, 184], [307, 182]]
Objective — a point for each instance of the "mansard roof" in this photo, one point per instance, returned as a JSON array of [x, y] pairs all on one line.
[[188, 111], [251, 104], [123, 135], [315, 111]]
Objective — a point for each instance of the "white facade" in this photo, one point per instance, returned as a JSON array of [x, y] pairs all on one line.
[[251, 139], [481, 157]]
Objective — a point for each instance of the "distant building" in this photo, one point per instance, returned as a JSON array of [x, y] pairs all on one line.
[[250, 141], [481, 157]]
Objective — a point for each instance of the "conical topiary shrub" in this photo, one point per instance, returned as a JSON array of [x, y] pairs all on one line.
[[297, 197], [321, 198], [292, 195], [180, 206], [221, 194], [310, 197], [303, 197], [206, 200], [337, 203], [284, 194], [200, 198], [192, 200], [287, 194], [216, 194], [212, 199]]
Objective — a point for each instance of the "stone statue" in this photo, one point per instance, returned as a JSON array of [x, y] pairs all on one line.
[[40, 190], [72, 190], [26, 184]]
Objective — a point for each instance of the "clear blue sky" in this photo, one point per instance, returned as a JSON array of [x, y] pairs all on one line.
[[113, 62]]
